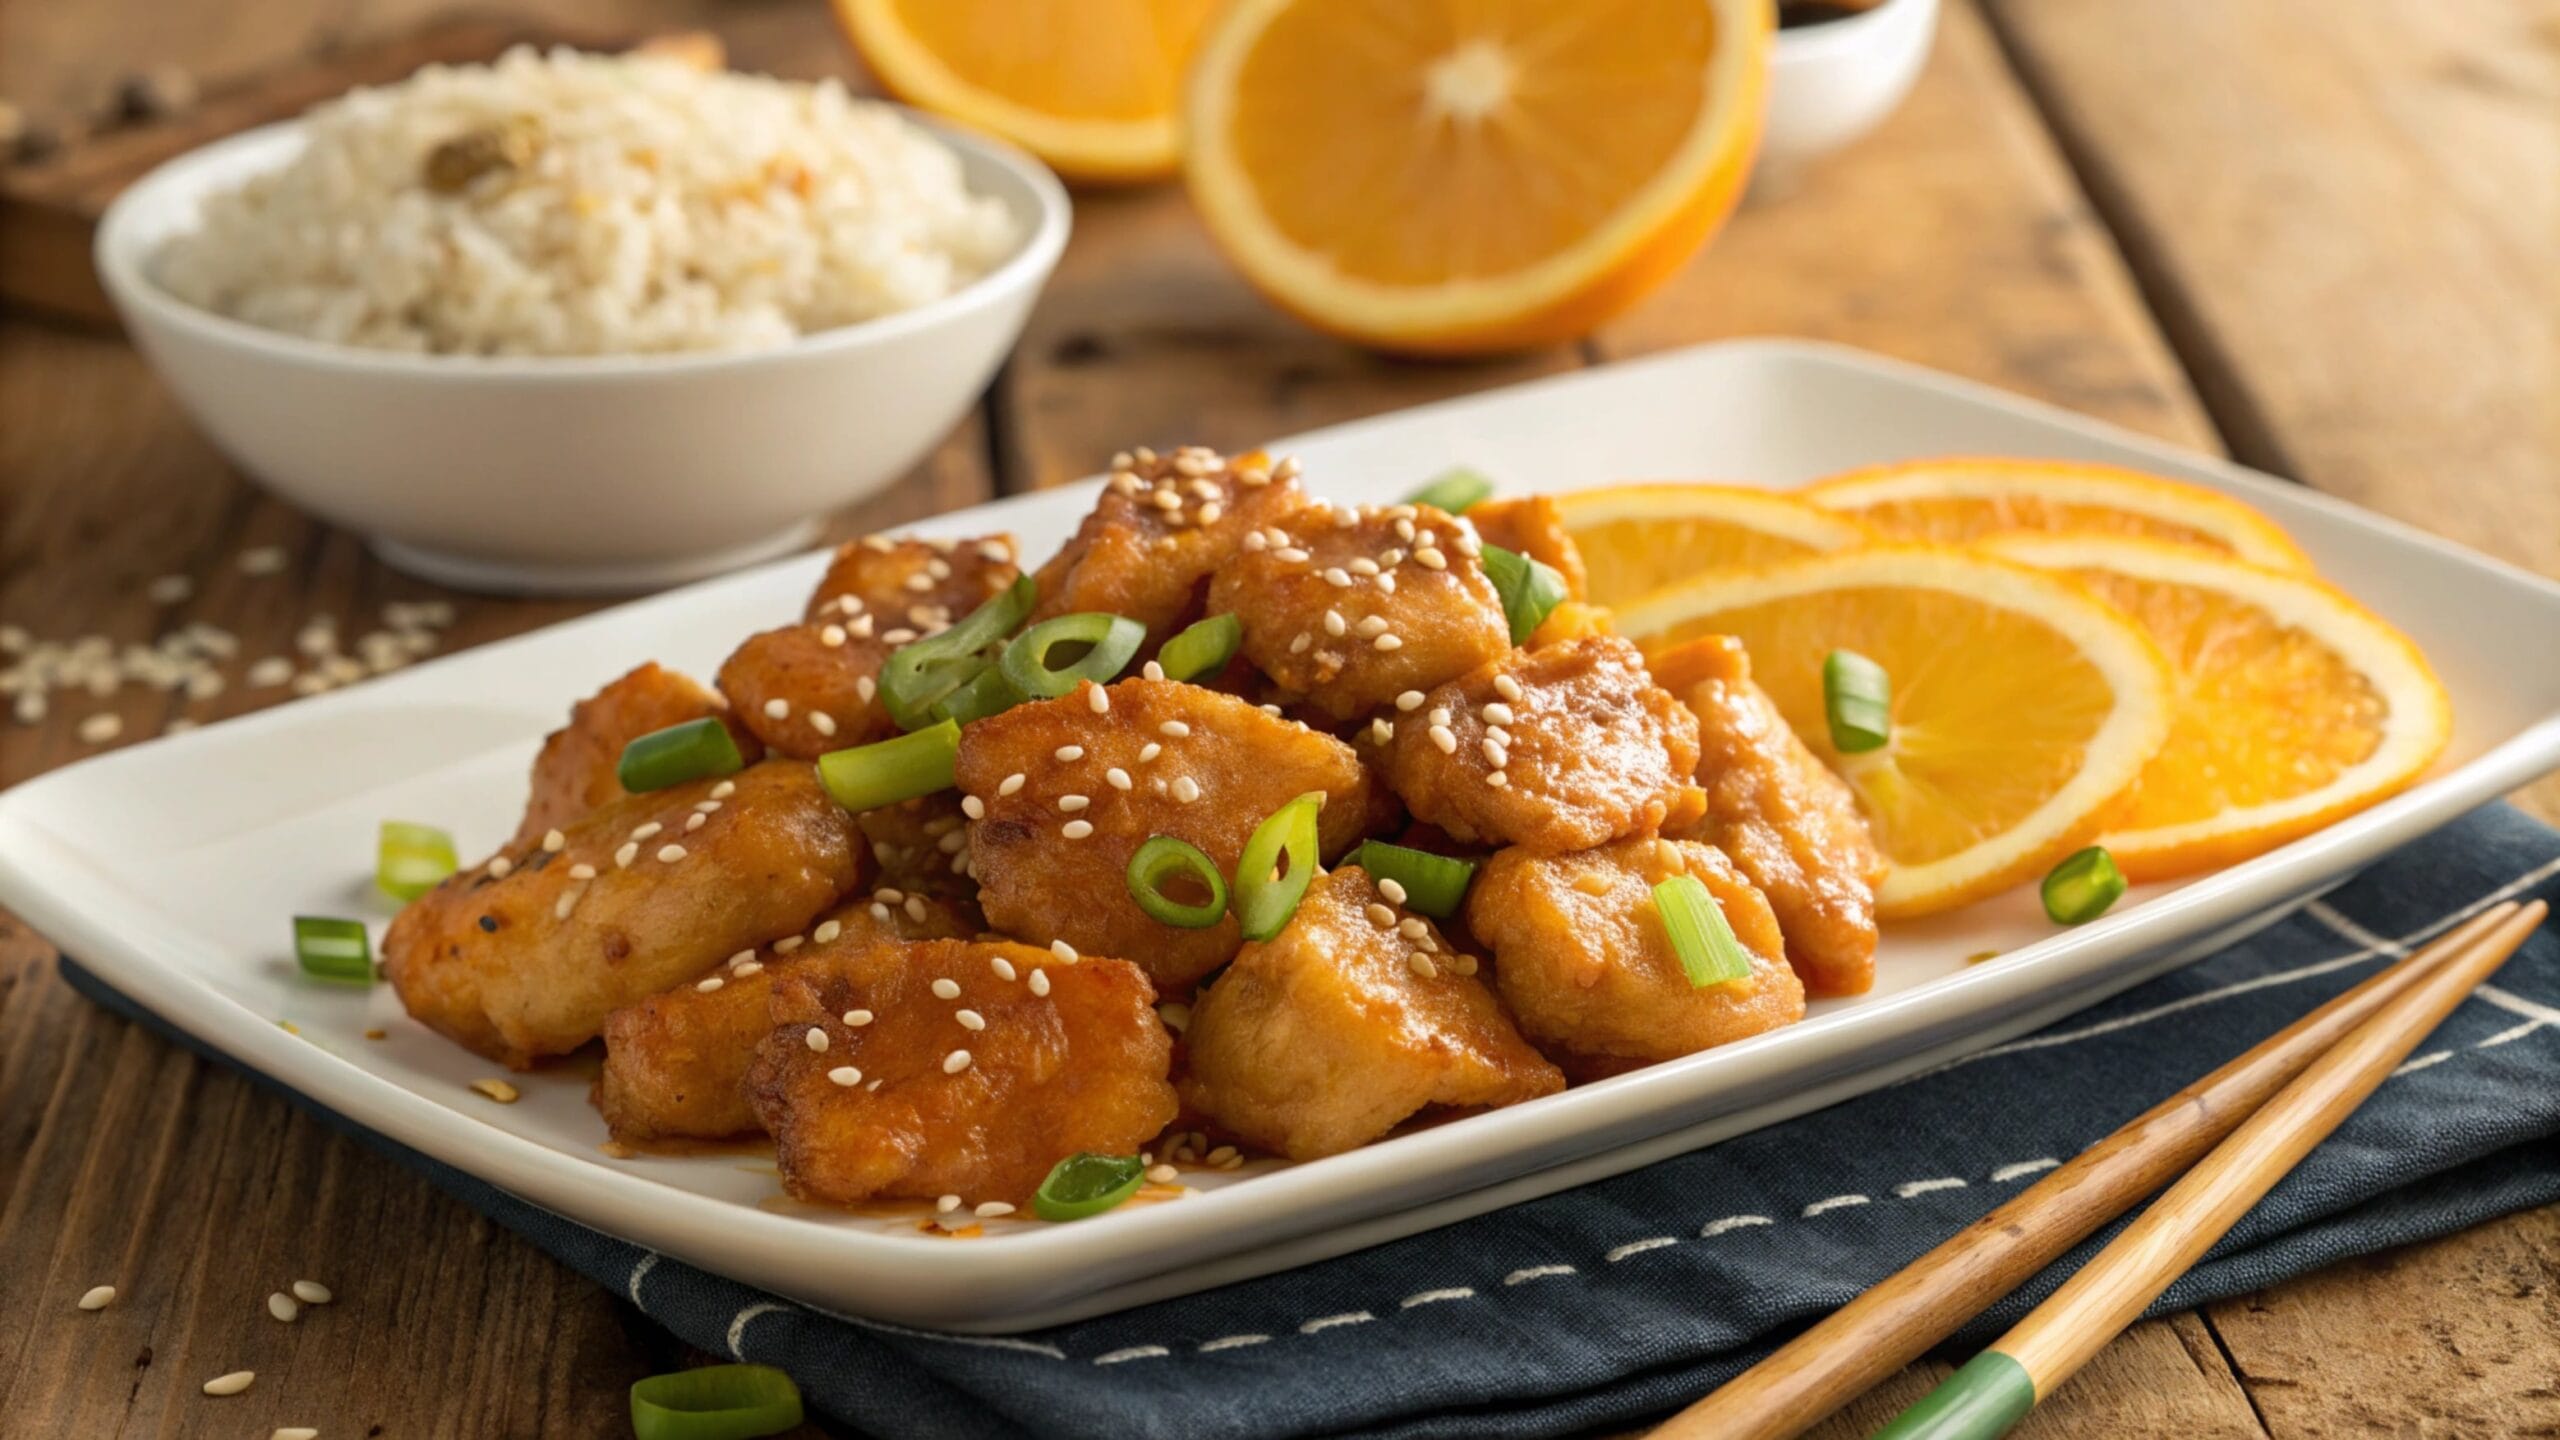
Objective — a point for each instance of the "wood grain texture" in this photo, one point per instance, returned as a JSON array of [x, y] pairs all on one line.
[[124, 1160]]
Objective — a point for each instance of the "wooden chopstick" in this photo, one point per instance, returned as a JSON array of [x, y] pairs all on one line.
[[1897, 1321], [1997, 1387]]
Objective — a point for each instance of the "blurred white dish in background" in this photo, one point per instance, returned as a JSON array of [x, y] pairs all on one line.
[[579, 473], [1832, 81]]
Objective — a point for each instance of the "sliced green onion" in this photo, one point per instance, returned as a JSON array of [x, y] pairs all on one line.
[[917, 676], [412, 859], [1111, 642], [1434, 885], [867, 777], [1086, 1184], [989, 694], [1265, 898], [333, 949], [1165, 858], [694, 750], [1857, 698], [1202, 649], [2081, 888], [1700, 935], [1530, 589], [1456, 491], [716, 1402]]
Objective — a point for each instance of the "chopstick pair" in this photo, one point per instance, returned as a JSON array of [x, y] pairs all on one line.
[[2232, 1134]]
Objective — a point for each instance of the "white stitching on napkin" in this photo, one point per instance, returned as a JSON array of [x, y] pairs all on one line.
[[2022, 1170], [1537, 1272], [1134, 1352], [1638, 1247], [1912, 1189], [1836, 1202], [1714, 1228], [1434, 1297], [647, 1262], [1327, 1322], [1232, 1342], [2422, 1062], [738, 1327]]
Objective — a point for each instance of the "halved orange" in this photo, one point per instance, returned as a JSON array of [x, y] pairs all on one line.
[[2295, 705], [2023, 706], [1966, 497], [1635, 539], [1094, 87], [1453, 178]]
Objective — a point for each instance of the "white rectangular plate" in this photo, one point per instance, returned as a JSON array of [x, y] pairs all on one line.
[[171, 868]]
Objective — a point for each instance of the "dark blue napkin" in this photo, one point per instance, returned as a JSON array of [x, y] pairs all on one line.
[[1626, 1298]]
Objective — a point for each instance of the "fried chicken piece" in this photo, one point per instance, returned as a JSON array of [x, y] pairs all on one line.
[[575, 769], [675, 1064], [976, 1090], [1581, 956], [1163, 525], [1353, 607], [1559, 748], [1533, 525], [1787, 823], [1350, 1020], [528, 963], [1056, 829], [813, 687], [913, 584], [922, 845]]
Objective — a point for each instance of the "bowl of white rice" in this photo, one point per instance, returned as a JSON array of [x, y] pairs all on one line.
[[572, 322]]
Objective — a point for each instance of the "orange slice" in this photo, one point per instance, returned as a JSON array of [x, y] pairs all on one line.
[[1094, 88], [1635, 539], [2024, 707], [2295, 705], [1965, 498], [1452, 178]]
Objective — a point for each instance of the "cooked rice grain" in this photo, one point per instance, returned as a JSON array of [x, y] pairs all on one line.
[[569, 204]]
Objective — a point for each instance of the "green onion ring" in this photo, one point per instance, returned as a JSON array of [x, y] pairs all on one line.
[[411, 859], [1529, 589], [2081, 888], [1265, 901], [868, 777], [1114, 640], [989, 694], [1085, 1184], [694, 750], [1455, 491], [715, 1402], [330, 948], [1161, 859], [1700, 935], [1857, 701], [1434, 885], [916, 676], [1202, 649]]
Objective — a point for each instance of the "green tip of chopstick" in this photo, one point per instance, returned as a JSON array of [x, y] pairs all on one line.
[[1991, 1393]]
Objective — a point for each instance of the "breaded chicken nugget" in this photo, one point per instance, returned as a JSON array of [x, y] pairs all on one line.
[[529, 962], [1559, 748], [1533, 525], [1351, 1019], [575, 769], [1580, 954], [913, 584], [810, 688], [1065, 793], [1163, 525], [948, 1067]]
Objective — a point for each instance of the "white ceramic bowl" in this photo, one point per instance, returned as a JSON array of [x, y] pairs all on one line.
[[1832, 82], [574, 474]]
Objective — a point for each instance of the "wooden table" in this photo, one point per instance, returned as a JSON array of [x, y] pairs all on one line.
[[2317, 238]]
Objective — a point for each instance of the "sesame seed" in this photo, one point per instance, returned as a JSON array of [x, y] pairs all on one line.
[[946, 1204], [1380, 730], [99, 1297], [1430, 558], [498, 1090], [709, 983], [1273, 711], [844, 1075], [919, 582], [237, 1380], [629, 852], [822, 722], [1494, 753], [1404, 528], [1421, 965], [262, 560], [1409, 701], [1410, 928], [1003, 967], [752, 967], [1064, 951], [1380, 915], [915, 907], [1211, 512], [786, 944], [815, 1039], [1374, 625], [857, 1018], [1334, 623], [1174, 729], [1069, 753], [1387, 582], [1291, 554], [500, 867], [695, 822], [1496, 713], [1287, 469], [743, 957], [1163, 1174], [100, 728], [939, 569], [1076, 829], [831, 636], [879, 911], [644, 831], [1463, 964], [1039, 982], [946, 989], [992, 1208], [1095, 697], [864, 687], [1337, 577], [1073, 803], [1255, 541], [1439, 714], [670, 854], [955, 1062], [970, 1019], [1149, 751], [282, 1306], [1497, 734], [1012, 783], [899, 636], [1388, 642], [724, 789], [1498, 780], [1445, 738], [1298, 644], [973, 807], [1223, 1154], [568, 901], [1186, 789], [1393, 890]]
